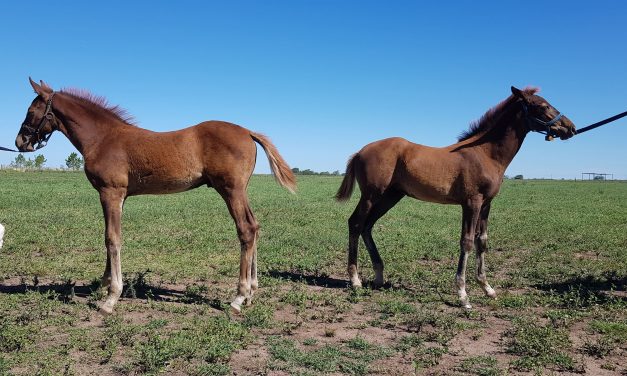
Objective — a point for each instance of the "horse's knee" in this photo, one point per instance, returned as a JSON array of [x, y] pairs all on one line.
[[481, 242], [466, 244], [112, 241]]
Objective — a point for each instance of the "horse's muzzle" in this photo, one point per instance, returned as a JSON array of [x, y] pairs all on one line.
[[23, 143]]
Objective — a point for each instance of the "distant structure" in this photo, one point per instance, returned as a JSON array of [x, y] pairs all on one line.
[[596, 176]]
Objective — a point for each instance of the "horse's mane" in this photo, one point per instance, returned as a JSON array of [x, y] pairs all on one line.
[[100, 103], [488, 119]]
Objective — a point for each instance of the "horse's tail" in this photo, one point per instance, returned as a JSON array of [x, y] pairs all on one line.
[[282, 172], [346, 188]]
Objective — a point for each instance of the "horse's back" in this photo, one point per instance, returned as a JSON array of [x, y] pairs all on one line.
[[420, 171], [175, 161]]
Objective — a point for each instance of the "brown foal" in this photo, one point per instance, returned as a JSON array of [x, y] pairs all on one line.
[[123, 160], [468, 173]]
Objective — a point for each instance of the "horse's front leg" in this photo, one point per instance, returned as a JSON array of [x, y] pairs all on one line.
[[481, 242], [112, 201], [469, 221]]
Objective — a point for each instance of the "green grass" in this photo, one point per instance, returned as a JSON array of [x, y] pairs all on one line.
[[351, 357], [558, 259], [539, 346]]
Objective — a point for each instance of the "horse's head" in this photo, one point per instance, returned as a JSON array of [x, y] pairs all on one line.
[[40, 120], [540, 116]]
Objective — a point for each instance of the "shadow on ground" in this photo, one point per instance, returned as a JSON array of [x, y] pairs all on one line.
[[134, 288], [589, 289]]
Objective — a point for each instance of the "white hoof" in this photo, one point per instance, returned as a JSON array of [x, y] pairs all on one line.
[[463, 300], [106, 309], [490, 293], [236, 309], [236, 304]]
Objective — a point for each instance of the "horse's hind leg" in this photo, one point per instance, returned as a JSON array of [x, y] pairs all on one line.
[[254, 283], [481, 243], [105, 281], [355, 228], [470, 217], [378, 210], [112, 201], [247, 229]]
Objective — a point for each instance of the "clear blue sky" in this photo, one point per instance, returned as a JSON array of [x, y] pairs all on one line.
[[324, 78]]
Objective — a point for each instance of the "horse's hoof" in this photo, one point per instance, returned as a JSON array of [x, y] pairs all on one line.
[[490, 293], [377, 283], [236, 308], [467, 306], [105, 310], [356, 285]]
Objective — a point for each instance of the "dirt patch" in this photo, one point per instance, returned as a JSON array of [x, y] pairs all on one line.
[[314, 317]]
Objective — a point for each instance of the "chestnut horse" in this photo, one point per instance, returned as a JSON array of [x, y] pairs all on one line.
[[123, 160], [468, 173]]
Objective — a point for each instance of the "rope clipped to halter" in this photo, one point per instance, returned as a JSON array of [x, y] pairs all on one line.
[[602, 122]]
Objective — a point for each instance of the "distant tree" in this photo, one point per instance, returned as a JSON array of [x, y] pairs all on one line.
[[296, 170], [598, 177], [29, 164], [518, 177], [74, 162], [39, 161], [19, 161], [336, 172]]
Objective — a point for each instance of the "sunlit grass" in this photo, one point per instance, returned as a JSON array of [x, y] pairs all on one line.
[[558, 256]]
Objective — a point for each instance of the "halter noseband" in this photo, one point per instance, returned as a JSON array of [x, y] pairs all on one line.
[[47, 117], [546, 124]]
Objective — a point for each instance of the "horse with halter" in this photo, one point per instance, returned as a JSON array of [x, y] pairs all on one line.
[[123, 160], [468, 173]]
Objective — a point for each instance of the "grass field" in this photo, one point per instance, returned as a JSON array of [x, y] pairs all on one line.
[[558, 260]]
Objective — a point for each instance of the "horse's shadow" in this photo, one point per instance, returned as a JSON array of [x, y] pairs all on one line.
[[587, 290], [322, 280], [68, 291]]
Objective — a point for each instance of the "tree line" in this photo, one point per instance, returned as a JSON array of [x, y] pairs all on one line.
[[298, 171], [72, 162]]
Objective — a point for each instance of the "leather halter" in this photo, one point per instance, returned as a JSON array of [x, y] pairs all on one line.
[[48, 116]]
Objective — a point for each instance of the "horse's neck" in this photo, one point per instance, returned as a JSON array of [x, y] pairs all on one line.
[[81, 126], [506, 139]]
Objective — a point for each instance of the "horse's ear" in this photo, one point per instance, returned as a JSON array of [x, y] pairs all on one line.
[[45, 86], [43, 91], [36, 87], [519, 93]]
